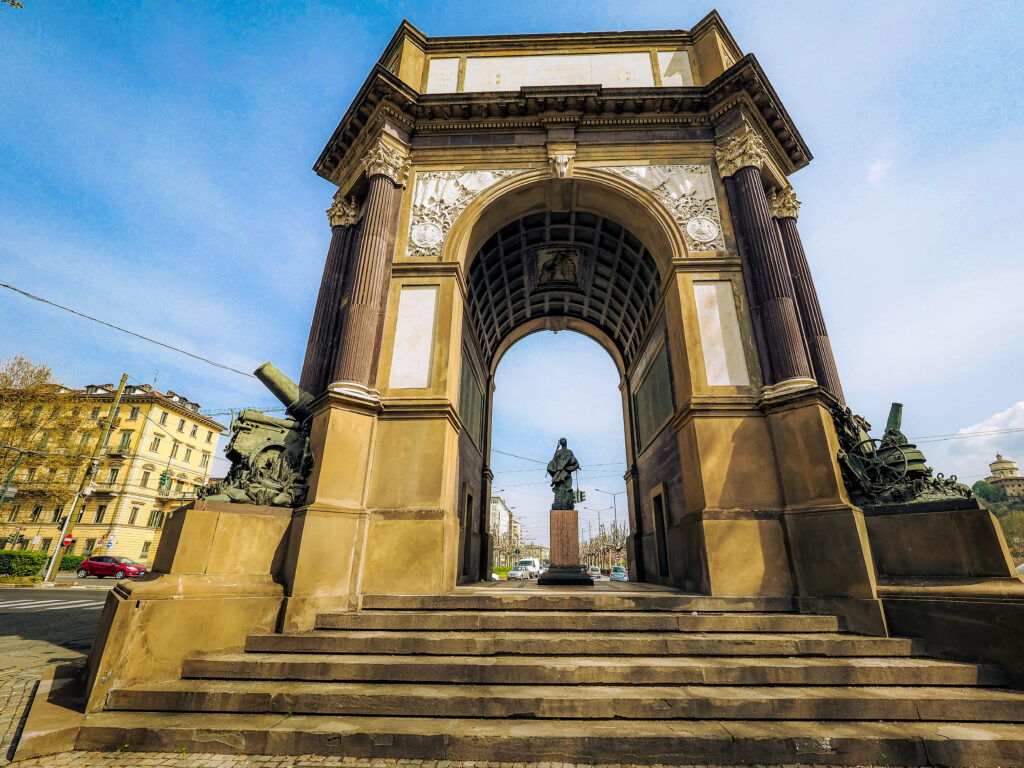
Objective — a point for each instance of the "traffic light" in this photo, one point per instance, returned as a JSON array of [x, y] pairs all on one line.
[[163, 478], [581, 496]]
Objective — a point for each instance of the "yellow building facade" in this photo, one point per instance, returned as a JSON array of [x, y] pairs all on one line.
[[158, 453]]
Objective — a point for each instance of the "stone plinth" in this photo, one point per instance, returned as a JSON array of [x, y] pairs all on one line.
[[565, 565]]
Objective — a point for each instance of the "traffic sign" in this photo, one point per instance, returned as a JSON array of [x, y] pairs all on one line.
[[517, 551], [109, 544], [68, 539]]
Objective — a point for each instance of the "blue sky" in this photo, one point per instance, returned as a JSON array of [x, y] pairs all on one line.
[[155, 171]]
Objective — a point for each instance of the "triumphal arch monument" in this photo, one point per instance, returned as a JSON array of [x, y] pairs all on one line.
[[640, 188]]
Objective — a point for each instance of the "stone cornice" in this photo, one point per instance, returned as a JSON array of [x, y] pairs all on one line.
[[344, 213], [384, 96], [783, 203], [743, 150]]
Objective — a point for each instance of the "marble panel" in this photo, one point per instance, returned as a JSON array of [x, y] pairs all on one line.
[[443, 76], [724, 362], [414, 337], [509, 73], [674, 67]]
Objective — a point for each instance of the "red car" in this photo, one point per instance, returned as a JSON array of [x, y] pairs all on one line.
[[118, 567]]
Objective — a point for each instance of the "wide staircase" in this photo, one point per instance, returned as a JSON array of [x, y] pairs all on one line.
[[509, 674]]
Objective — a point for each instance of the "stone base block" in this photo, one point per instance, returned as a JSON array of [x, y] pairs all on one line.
[[566, 575], [565, 538]]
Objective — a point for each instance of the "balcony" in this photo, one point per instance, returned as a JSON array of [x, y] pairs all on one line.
[[121, 450], [105, 489], [171, 495]]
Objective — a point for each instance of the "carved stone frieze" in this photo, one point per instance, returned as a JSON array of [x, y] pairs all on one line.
[[688, 194], [438, 198], [783, 203], [383, 159], [741, 150], [344, 213]]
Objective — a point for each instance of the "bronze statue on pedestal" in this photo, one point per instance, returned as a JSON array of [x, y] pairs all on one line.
[[561, 467]]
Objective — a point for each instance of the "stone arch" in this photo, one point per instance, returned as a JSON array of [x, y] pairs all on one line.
[[591, 189]]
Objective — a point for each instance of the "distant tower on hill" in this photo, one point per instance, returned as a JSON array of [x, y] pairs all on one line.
[[1006, 476]]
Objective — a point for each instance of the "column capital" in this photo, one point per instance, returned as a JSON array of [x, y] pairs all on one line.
[[385, 159], [783, 203], [344, 213], [740, 151]]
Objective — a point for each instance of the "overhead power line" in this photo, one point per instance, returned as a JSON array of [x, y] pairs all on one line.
[[125, 330]]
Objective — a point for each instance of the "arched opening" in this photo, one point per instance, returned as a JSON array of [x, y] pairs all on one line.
[[549, 385], [580, 269]]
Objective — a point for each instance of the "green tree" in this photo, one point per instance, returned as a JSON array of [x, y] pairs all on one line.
[[988, 491], [13, 3], [43, 419], [1013, 530]]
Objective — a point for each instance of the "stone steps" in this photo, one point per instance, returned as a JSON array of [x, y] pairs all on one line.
[[591, 621], [594, 670], [669, 742], [654, 702], [579, 599], [582, 643]]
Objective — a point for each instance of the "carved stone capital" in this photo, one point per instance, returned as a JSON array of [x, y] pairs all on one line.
[[740, 151], [383, 159], [783, 203], [561, 164], [343, 213]]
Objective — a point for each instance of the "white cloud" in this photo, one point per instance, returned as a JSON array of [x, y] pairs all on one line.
[[878, 171]]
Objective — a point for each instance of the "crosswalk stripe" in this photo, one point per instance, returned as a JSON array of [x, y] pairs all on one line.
[[78, 604], [45, 605], [23, 603]]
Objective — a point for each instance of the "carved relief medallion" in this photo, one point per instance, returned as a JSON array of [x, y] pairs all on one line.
[[437, 200], [702, 229], [688, 194]]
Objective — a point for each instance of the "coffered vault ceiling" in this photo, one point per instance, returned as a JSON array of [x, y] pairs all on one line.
[[573, 264]]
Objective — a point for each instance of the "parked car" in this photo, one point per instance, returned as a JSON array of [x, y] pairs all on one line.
[[518, 574], [594, 572], [619, 573], [531, 565], [103, 565]]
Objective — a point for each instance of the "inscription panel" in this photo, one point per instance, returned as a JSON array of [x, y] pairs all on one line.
[[724, 362], [414, 337]]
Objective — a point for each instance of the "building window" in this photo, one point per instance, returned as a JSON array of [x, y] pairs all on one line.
[[44, 440], [145, 549], [155, 445], [204, 460], [89, 544], [179, 486], [84, 442], [134, 515], [155, 518], [133, 414], [126, 441], [209, 436], [174, 450], [144, 482], [13, 514], [95, 413], [30, 475], [181, 425], [81, 514], [163, 417], [47, 543], [36, 511], [188, 455], [195, 428], [112, 476], [58, 512], [101, 510]]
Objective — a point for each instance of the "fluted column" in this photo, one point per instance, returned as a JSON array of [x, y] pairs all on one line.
[[385, 166], [785, 207], [783, 351], [324, 331]]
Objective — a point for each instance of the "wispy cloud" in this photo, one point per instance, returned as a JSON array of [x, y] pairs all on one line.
[[878, 170]]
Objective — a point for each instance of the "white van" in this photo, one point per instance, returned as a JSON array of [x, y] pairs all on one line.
[[531, 565]]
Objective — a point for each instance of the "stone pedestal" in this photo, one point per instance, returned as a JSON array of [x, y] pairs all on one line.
[[565, 565]]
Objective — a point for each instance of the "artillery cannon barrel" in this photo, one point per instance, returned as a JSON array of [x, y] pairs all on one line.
[[295, 399], [895, 417]]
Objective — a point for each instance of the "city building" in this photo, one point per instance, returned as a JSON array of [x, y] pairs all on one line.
[[500, 516], [1006, 476], [158, 453]]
